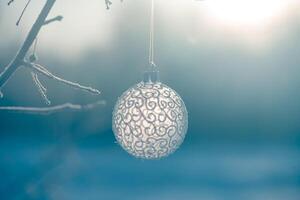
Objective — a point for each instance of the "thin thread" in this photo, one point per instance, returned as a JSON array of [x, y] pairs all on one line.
[[151, 42]]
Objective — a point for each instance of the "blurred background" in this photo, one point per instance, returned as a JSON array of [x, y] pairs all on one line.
[[235, 63]]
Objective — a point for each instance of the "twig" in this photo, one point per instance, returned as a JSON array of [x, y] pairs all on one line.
[[17, 61], [42, 90], [39, 82], [108, 3], [10, 2], [52, 109], [57, 18], [23, 11], [42, 70]]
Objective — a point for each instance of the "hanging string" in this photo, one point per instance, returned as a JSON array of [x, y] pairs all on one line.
[[151, 46]]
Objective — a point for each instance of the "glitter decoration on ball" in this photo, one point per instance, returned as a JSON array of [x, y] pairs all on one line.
[[150, 120]]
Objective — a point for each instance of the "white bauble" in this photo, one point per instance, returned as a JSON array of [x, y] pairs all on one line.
[[150, 120]]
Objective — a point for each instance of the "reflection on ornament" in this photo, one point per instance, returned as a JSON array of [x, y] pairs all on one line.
[[150, 120]]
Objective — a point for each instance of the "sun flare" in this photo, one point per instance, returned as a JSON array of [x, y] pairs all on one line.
[[245, 12]]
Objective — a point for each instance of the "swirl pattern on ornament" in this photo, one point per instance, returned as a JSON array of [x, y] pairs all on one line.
[[150, 120]]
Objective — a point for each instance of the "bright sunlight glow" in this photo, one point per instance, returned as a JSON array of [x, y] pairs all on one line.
[[245, 12]]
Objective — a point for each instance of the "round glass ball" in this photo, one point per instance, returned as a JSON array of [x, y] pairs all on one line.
[[150, 120]]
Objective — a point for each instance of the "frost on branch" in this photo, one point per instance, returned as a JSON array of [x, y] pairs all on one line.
[[52, 109], [42, 70], [42, 90], [37, 70]]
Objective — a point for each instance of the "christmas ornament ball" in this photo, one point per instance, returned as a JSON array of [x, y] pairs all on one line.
[[150, 120]]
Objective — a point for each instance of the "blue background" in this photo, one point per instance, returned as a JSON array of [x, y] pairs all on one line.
[[243, 140]]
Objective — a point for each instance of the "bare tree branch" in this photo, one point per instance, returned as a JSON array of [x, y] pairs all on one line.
[[23, 11], [57, 18], [108, 3], [17, 61], [10, 2], [52, 109], [42, 90], [42, 70]]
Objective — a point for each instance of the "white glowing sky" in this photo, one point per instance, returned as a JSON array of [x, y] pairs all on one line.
[[90, 25], [253, 24], [85, 25], [245, 12]]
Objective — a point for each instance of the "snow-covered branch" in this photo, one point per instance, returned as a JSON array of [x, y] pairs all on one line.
[[42, 90], [43, 71], [52, 109], [20, 60]]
